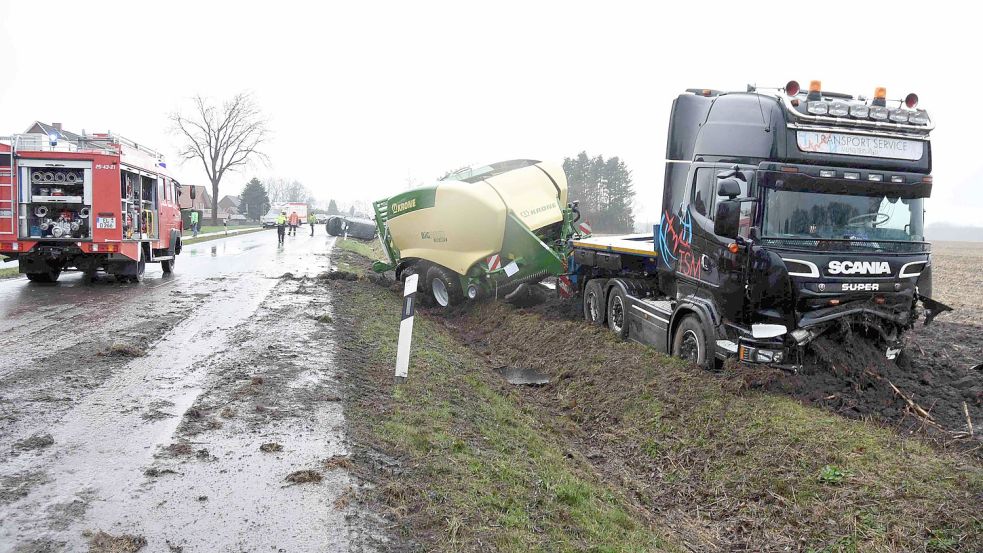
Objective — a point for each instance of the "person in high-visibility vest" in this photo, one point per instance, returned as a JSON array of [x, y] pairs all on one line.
[[281, 226], [194, 224], [294, 223], [313, 221]]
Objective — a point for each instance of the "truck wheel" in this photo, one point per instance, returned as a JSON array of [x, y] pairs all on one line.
[[444, 287], [618, 313], [168, 265], [595, 309], [690, 342], [50, 276]]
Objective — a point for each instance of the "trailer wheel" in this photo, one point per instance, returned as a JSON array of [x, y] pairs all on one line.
[[47, 277], [689, 341], [618, 314], [595, 309], [444, 287]]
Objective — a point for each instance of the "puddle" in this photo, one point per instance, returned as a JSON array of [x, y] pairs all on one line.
[[523, 377]]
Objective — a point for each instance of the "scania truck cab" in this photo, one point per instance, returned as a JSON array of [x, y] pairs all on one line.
[[786, 215]]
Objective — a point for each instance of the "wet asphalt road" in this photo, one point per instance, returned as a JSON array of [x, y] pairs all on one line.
[[80, 427]]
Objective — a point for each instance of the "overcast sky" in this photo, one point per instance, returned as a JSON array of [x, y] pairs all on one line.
[[363, 96]]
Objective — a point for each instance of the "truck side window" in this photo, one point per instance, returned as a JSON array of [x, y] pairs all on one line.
[[703, 190]]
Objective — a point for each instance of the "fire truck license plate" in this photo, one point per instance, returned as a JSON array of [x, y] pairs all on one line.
[[106, 222]]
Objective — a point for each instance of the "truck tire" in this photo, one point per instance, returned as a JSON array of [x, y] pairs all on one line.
[[689, 342], [595, 308], [618, 313], [168, 265], [50, 276], [444, 287]]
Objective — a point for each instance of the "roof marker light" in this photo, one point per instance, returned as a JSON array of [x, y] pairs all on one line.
[[815, 92], [851, 176], [875, 177], [897, 178], [880, 96], [828, 173]]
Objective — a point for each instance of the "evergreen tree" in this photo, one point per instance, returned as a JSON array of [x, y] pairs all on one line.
[[604, 191], [255, 200], [333, 208]]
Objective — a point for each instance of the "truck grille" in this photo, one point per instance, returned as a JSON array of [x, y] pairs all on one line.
[[837, 245]]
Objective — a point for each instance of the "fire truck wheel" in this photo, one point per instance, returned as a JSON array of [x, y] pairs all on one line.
[[444, 287], [168, 265], [595, 309], [618, 313], [50, 276]]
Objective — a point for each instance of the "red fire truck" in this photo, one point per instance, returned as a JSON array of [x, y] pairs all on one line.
[[86, 202]]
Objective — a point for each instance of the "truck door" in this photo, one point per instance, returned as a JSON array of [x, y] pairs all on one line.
[[721, 272], [8, 210]]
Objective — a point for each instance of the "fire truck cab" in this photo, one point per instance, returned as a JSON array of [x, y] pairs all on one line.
[[86, 202]]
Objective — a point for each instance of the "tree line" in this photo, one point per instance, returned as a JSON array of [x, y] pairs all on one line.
[[604, 190]]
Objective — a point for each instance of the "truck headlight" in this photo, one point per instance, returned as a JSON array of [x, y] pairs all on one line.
[[899, 116], [839, 109], [918, 118], [818, 108], [860, 112]]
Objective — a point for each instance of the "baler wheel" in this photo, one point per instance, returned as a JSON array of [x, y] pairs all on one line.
[[444, 287]]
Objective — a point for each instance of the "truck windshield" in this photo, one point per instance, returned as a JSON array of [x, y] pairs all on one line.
[[812, 215]]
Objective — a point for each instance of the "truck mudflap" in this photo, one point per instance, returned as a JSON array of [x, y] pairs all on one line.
[[932, 308]]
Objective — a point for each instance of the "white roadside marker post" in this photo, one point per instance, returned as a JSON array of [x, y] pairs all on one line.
[[406, 328]]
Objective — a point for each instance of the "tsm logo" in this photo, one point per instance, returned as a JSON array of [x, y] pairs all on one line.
[[859, 268]]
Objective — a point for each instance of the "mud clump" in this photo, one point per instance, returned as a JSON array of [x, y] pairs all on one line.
[[305, 477], [155, 472], [338, 275], [179, 449], [256, 381], [326, 319], [271, 447], [37, 441], [339, 462], [124, 350], [101, 542]]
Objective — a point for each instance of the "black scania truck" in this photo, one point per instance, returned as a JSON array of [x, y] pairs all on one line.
[[786, 215]]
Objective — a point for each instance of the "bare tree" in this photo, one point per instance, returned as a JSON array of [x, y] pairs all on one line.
[[222, 138], [276, 188]]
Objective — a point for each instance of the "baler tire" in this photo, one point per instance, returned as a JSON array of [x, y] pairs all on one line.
[[618, 313], [595, 308], [439, 276]]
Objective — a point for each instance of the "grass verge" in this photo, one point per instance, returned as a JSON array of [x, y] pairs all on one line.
[[477, 470], [9, 272]]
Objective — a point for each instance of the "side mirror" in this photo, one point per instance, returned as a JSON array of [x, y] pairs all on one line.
[[729, 187], [727, 221]]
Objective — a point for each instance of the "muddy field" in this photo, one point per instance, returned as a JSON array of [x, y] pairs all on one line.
[[934, 388]]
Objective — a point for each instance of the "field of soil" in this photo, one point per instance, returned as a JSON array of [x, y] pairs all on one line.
[[940, 371]]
